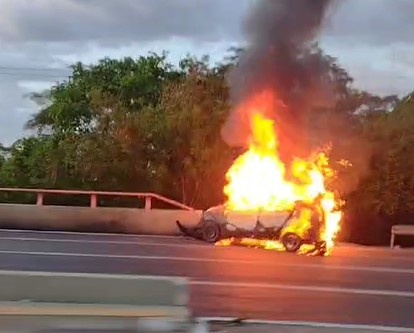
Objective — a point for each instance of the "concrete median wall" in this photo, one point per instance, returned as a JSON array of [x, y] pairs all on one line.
[[55, 302], [72, 288], [85, 219]]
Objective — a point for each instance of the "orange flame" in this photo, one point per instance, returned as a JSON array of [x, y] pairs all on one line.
[[257, 179]]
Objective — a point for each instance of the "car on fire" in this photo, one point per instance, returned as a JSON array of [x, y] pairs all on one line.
[[218, 223]]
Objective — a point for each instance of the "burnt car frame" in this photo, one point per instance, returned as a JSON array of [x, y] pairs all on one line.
[[217, 223]]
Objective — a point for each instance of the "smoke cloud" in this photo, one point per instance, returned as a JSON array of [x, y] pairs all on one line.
[[281, 60]]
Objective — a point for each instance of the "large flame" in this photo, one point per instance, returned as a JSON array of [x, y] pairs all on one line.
[[258, 181]]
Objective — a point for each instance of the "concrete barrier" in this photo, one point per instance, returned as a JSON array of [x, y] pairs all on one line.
[[82, 288], [102, 219], [401, 229], [46, 300]]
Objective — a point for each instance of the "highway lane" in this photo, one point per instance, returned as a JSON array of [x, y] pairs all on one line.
[[355, 254], [355, 285], [306, 306], [350, 257]]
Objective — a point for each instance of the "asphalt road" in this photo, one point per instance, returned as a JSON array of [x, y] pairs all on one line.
[[355, 285]]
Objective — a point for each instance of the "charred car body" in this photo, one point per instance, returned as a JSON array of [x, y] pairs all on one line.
[[217, 223]]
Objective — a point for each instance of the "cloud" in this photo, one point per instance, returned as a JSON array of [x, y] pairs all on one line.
[[120, 21], [372, 22], [23, 69], [373, 40], [40, 38], [30, 86], [14, 112], [32, 67], [379, 69], [404, 56]]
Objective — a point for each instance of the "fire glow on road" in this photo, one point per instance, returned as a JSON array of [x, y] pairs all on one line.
[[266, 244]]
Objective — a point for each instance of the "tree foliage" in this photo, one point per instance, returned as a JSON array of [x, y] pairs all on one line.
[[147, 125], [385, 196]]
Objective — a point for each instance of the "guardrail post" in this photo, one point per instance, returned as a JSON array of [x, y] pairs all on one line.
[[147, 203], [94, 201], [39, 199]]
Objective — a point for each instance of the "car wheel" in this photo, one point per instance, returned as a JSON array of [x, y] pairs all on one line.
[[210, 232], [291, 241]]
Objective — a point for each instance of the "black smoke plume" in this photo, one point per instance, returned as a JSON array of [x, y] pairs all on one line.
[[281, 58]]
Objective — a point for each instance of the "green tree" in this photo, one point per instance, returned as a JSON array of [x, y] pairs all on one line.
[[192, 111], [385, 195], [146, 125], [91, 118], [133, 83]]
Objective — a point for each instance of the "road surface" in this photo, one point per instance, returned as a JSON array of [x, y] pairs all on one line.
[[355, 285]]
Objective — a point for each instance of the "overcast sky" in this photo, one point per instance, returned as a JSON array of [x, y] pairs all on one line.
[[373, 39]]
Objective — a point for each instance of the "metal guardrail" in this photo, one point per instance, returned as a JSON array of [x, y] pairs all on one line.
[[40, 193], [42, 300], [401, 229]]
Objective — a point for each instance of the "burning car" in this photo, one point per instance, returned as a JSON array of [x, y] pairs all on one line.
[[270, 199], [293, 228]]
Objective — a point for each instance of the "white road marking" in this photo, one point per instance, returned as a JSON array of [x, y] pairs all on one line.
[[340, 246], [230, 284], [139, 241], [320, 267], [376, 292], [313, 324]]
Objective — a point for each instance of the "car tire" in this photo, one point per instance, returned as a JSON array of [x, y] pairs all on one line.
[[291, 242], [210, 232]]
